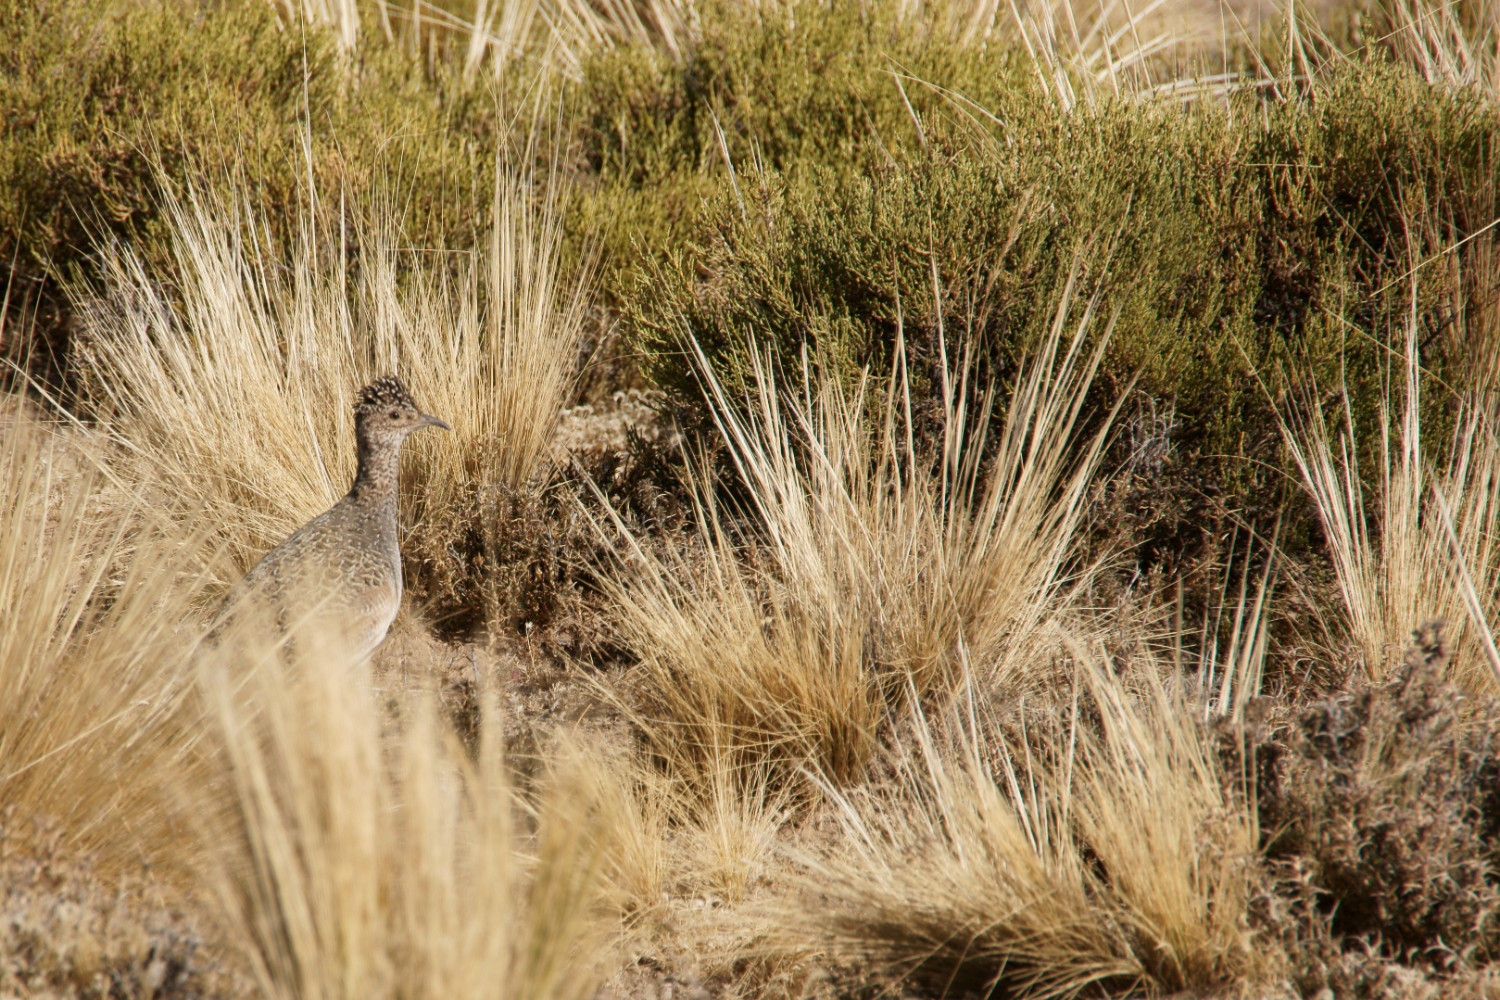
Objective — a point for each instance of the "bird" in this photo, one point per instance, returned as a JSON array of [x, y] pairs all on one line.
[[344, 566]]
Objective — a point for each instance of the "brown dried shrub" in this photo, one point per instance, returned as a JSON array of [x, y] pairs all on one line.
[[68, 932], [523, 564], [1379, 807]]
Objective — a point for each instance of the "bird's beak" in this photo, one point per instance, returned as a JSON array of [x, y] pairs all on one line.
[[431, 421]]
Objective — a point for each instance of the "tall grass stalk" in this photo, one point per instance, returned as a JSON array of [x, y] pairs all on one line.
[[235, 387], [359, 856], [95, 689], [1396, 565], [1235, 634], [1452, 45]]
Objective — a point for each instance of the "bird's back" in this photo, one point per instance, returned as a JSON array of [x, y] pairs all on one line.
[[342, 568]]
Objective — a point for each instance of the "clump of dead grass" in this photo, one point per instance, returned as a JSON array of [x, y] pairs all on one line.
[[233, 388], [488, 38], [1412, 538], [1102, 854], [95, 689], [853, 567], [1456, 46], [359, 849]]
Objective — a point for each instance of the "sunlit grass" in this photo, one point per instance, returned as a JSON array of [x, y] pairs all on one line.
[[1086, 856], [236, 391], [96, 707], [357, 855], [874, 568]]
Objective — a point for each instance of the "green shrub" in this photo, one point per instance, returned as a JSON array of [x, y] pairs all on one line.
[[103, 102], [1231, 242], [814, 90]]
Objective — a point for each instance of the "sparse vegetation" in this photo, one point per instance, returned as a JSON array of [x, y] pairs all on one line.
[[944, 499]]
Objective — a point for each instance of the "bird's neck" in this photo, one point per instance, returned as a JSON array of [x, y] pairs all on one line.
[[379, 471]]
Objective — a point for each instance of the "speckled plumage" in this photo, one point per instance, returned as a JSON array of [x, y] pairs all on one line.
[[344, 566]]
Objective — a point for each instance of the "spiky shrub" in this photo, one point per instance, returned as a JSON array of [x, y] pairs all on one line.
[[1378, 810], [95, 690], [855, 565], [236, 391], [357, 851], [1098, 853]]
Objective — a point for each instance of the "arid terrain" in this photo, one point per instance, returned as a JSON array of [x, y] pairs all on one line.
[[944, 498]]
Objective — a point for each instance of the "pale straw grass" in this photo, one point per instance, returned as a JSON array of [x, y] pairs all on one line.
[[359, 850], [1453, 45], [235, 386], [1400, 555], [855, 566], [95, 684], [1097, 855], [493, 35]]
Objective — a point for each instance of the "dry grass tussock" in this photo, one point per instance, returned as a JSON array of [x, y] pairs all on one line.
[[361, 850], [1092, 854], [1421, 545], [235, 392], [672, 850], [95, 689], [854, 568]]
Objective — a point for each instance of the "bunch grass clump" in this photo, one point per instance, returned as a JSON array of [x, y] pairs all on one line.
[[854, 566], [1453, 47], [235, 388], [1411, 533], [359, 853], [96, 702], [1099, 853]]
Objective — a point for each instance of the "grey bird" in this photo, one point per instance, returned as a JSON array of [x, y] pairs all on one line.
[[344, 566]]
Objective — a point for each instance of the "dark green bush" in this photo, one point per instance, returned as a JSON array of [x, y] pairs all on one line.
[[815, 90], [1230, 241], [104, 102]]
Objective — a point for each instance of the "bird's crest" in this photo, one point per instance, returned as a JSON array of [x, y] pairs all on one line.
[[384, 391]]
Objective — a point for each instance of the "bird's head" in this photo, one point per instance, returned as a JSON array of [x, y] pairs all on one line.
[[385, 411]]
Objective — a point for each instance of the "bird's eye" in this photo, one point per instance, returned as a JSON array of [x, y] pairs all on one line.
[[395, 414]]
